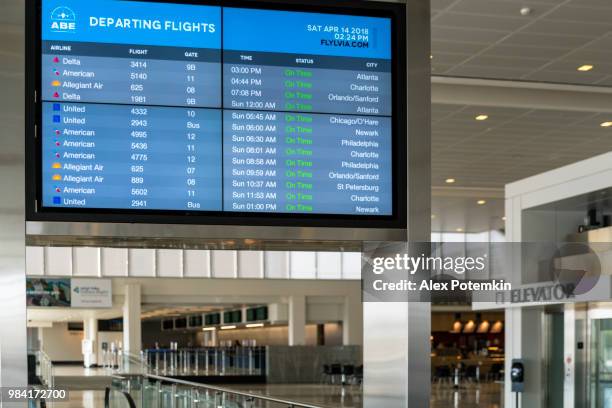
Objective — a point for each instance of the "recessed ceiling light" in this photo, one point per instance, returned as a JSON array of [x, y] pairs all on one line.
[[481, 202], [430, 56], [585, 68], [482, 117], [606, 124], [450, 180], [504, 218], [433, 216], [459, 230]]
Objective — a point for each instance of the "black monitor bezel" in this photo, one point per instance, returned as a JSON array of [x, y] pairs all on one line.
[[33, 142]]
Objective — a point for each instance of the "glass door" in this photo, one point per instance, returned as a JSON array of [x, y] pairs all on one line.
[[601, 363]]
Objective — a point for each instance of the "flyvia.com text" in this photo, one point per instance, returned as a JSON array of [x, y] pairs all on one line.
[[413, 264]]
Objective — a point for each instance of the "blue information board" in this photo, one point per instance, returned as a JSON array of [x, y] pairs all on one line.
[[183, 107]]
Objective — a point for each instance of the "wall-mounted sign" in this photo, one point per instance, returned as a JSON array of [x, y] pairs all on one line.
[[92, 293], [85, 293], [48, 292]]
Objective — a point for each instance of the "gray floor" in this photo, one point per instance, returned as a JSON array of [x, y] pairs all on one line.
[[487, 395], [316, 394], [443, 396]]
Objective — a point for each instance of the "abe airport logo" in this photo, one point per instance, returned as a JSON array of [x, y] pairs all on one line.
[[63, 20]]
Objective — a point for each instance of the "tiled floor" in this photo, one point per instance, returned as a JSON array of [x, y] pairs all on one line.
[[487, 395], [316, 394], [443, 396]]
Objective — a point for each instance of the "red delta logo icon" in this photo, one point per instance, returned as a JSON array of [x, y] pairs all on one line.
[[63, 20]]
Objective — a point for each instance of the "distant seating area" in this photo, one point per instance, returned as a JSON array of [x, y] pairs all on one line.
[[462, 373], [343, 374]]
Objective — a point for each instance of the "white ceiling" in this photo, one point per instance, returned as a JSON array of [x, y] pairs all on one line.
[[512, 144], [457, 210], [149, 311], [491, 39], [61, 314]]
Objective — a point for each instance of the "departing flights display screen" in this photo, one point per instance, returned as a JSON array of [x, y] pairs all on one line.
[[209, 108]]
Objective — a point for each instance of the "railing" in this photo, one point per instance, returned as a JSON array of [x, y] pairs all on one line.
[[211, 361], [152, 391], [45, 369]]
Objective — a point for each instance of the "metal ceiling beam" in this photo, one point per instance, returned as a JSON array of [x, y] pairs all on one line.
[[517, 94]]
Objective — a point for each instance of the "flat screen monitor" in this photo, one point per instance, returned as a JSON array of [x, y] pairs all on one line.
[[212, 319], [167, 324], [218, 112], [180, 323]]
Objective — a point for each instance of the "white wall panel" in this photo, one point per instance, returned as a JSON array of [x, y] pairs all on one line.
[[324, 312], [122, 262], [303, 265], [351, 265], [114, 261], [169, 263], [86, 261], [276, 264], [58, 261], [35, 261], [329, 265], [224, 264], [196, 264], [141, 262], [250, 264]]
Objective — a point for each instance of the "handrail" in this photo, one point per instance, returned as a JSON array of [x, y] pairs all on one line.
[[107, 391], [129, 398], [291, 404], [126, 394]]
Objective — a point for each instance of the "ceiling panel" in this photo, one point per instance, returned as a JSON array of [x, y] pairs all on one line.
[[548, 45], [452, 213], [500, 8], [510, 145], [461, 20]]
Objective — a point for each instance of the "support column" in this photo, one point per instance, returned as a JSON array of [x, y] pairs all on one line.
[[90, 328], [210, 338], [132, 329], [297, 320], [396, 346], [214, 338], [396, 354], [352, 322], [13, 340], [525, 340]]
